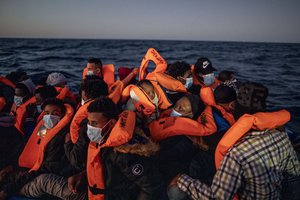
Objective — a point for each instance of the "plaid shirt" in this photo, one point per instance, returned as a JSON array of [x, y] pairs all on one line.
[[254, 168]]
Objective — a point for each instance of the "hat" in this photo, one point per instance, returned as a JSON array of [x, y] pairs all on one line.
[[56, 78], [30, 85], [224, 94], [123, 72], [196, 104], [204, 66], [252, 97]]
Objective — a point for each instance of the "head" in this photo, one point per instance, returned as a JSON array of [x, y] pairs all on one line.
[[54, 110], [204, 71], [251, 99], [22, 94], [182, 72], [225, 96], [93, 88], [17, 76], [148, 88], [56, 79], [102, 116], [94, 67], [43, 93], [226, 76], [188, 106]]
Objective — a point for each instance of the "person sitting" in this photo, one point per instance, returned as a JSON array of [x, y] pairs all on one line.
[[94, 67], [254, 159], [44, 151], [22, 94]]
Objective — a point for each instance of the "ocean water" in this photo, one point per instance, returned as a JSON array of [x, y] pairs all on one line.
[[276, 65]]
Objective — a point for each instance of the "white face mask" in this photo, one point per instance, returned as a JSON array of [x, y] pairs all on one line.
[[90, 73], [208, 79], [50, 121], [39, 108], [188, 82], [18, 100], [83, 101], [155, 100], [174, 113], [95, 134]]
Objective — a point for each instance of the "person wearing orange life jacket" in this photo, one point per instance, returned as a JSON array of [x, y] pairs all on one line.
[[44, 151], [254, 159], [91, 88], [59, 81], [128, 171], [203, 75], [176, 81]]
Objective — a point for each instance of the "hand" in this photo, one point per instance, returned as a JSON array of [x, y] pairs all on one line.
[[76, 181], [174, 181], [67, 138], [135, 71]]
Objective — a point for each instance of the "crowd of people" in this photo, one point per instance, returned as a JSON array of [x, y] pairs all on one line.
[[180, 131]]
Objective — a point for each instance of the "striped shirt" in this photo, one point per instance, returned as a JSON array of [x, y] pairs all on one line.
[[253, 168]]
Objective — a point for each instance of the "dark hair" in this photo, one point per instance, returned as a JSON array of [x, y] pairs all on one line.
[[178, 69], [144, 81], [225, 75], [17, 76], [46, 91], [56, 102], [105, 106], [224, 94], [251, 99], [94, 88], [23, 87], [96, 61]]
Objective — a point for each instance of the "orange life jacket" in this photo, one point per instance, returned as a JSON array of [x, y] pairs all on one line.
[[79, 116], [33, 154], [170, 83], [65, 93], [2, 103], [207, 96], [7, 82], [257, 121], [142, 101], [115, 91], [172, 126], [108, 72], [152, 55], [21, 114], [120, 134]]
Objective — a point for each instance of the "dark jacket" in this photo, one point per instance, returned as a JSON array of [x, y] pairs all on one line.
[[77, 153], [11, 142], [130, 171]]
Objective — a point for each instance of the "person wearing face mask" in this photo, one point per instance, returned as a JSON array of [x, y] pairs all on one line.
[[91, 88], [22, 94], [178, 131], [176, 81], [203, 74], [44, 151]]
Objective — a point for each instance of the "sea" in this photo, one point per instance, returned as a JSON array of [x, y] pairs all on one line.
[[275, 65]]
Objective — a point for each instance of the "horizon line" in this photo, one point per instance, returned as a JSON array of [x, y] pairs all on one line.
[[187, 40]]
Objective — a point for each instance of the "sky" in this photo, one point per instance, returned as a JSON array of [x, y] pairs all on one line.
[[209, 20]]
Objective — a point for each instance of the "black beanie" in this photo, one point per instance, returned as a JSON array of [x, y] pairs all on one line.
[[224, 94], [196, 104]]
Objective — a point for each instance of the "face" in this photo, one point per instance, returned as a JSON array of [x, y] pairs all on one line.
[[99, 120], [84, 97], [229, 107], [39, 99], [149, 90], [94, 68], [187, 74], [53, 110], [19, 92], [184, 107]]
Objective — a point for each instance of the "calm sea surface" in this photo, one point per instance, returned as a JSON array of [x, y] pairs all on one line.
[[277, 66]]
